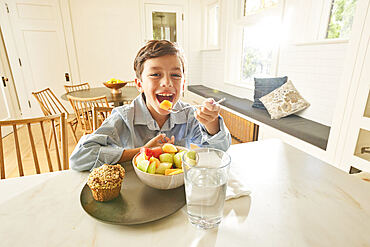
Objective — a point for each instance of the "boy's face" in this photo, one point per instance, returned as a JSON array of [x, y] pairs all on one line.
[[162, 79]]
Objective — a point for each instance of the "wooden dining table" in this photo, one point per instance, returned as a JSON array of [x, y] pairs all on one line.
[[128, 94], [295, 200]]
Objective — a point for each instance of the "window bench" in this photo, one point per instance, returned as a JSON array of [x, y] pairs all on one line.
[[306, 130]]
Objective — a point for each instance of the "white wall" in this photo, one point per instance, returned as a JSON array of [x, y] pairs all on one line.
[[193, 56], [314, 68], [107, 36]]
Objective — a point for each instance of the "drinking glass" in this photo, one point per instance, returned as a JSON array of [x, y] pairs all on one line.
[[205, 173]]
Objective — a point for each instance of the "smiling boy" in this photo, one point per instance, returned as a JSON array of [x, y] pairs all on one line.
[[160, 69]]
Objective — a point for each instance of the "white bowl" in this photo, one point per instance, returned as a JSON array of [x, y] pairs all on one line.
[[159, 181]]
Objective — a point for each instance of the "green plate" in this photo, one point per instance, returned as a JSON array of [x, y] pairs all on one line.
[[137, 203]]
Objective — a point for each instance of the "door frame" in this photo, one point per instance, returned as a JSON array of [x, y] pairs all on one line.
[[13, 56], [184, 4], [10, 92]]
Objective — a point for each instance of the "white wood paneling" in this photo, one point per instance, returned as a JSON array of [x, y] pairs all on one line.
[[316, 72]]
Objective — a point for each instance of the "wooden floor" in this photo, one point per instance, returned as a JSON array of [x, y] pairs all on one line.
[[11, 168], [10, 158]]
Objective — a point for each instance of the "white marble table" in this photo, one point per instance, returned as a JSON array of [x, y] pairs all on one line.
[[296, 200]]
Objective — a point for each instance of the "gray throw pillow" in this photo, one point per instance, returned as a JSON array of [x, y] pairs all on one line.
[[263, 86]]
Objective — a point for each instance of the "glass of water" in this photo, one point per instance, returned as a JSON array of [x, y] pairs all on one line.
[[206, 173]]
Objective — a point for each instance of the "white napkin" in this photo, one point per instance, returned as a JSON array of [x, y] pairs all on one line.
[[235, 188]]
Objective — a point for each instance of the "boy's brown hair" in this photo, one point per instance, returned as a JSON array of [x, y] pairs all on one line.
[[156, 48]]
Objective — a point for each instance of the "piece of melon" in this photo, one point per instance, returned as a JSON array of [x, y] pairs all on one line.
[[165, 105], [162, 167], [152, 167], [177, 159], [169, 148], [155, 160], [143, 165], [176, 172], [140, 157], [169, 171]]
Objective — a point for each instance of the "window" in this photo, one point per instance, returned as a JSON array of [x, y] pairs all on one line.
[[253, 43], [211, 24], [251, 6], [164, 26], [256, 56], [341, 18]]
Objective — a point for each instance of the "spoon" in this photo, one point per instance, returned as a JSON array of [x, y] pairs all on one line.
[[176, 111]]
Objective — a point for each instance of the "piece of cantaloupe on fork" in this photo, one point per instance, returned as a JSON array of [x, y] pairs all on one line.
[[165, 105]]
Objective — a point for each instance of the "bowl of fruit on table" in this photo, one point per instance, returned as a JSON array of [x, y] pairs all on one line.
[[115, 85], [160, 167]]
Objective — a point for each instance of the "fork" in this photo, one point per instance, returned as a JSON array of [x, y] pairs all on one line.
[[176, 111]]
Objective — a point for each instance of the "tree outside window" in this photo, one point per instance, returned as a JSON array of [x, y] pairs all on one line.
[[341, 18]]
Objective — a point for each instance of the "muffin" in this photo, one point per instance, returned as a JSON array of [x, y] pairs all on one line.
[[105, 182]]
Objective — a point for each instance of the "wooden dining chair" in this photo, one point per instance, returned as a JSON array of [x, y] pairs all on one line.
[[36, 128], [83, 108], [77, 87], [99, 115], [50, 105]]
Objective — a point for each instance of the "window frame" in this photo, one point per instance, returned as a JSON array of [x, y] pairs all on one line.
[[323, 24], [206, 6], [234, 47]]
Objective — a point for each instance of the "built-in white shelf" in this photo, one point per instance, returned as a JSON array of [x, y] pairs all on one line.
[[362, 149], [360, 163]]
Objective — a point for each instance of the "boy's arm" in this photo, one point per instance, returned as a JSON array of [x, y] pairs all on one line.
[[105, 146], [213, 127], [198, 134]]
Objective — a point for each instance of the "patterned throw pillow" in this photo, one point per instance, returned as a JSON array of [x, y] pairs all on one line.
[[263, 86], [284, 101]]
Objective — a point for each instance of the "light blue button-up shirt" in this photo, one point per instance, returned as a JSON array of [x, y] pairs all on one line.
[[132, 126]]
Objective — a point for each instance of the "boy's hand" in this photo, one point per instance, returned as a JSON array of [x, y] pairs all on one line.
[[207, 115], [159, 140]]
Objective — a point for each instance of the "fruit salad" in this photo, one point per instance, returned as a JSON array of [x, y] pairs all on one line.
[[166, 105], [165, 160]]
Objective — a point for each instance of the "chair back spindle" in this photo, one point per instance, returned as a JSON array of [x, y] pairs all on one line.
[[43, 122], [83, 108], [50, 105], [77, 87], [99, 115]]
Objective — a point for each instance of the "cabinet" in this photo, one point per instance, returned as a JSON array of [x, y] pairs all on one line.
[[355, 151]]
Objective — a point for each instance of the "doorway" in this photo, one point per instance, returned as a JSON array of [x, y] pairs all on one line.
[[9, 104], [164, 22], [34, 36]]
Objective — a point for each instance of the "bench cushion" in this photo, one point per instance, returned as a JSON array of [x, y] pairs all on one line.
[[307, 130]]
